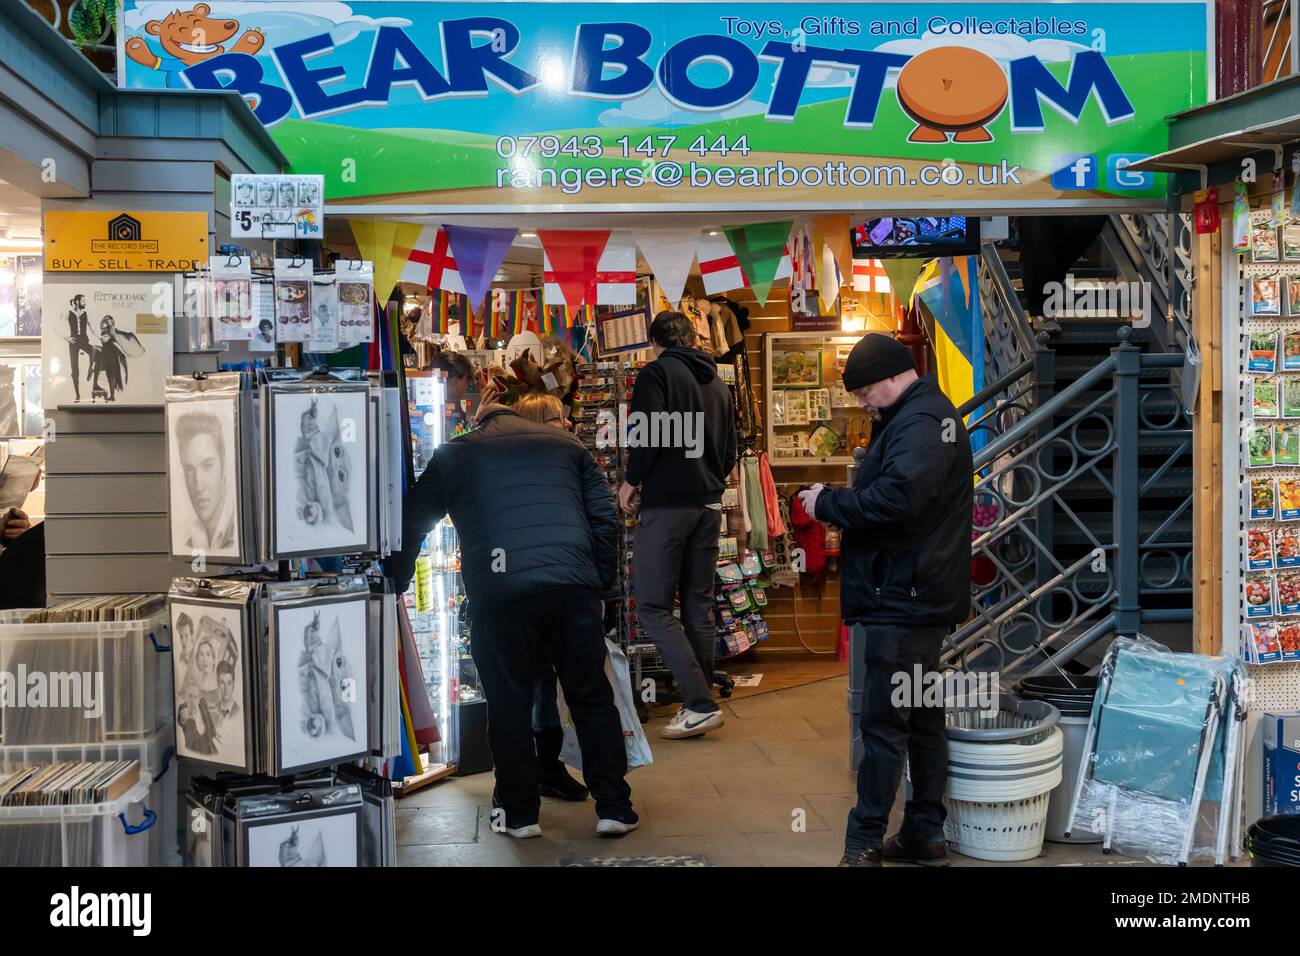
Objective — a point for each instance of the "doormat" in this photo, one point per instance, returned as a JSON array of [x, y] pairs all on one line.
[[683, 860]]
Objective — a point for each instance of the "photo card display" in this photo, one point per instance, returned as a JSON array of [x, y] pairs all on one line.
[[305, 827], [210, 475], [293, 281], [214, 682], [319, 448], [318, 663]]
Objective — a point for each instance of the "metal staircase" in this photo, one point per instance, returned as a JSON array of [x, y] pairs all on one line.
[[1083, 483]]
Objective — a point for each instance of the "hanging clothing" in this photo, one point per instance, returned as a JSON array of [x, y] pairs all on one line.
[[783, 575], [744, 502], [754, 504], [775, 526], [811, 537]]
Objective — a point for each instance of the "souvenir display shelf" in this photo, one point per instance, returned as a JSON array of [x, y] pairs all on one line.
[[435, 597], [811, 420]]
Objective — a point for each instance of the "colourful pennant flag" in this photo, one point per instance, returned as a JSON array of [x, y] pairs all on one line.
[[670, 253], [760, 249], [719, 267], [430, 262], [478, 252], [571, 262], [616, 271]]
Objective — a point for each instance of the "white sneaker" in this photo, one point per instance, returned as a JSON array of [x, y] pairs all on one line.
[[524, 833], [688, 723], [617, 826]]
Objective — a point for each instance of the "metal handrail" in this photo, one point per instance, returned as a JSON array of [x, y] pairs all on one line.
[[1020, 325], [992, 391], [1044, 413]]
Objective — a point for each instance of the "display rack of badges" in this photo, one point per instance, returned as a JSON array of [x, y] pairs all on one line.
[[1268, 392]]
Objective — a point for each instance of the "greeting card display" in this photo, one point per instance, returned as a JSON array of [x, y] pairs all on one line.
[[356, 279], [105, 342], [1293, 296], [293, 279], [1291, 237], [319, 448], [1262, 644], [263, 309], [231, 288], [213, 676], [302, 828], [211, 498], [317, 667], [324, 315], [1288, 640]]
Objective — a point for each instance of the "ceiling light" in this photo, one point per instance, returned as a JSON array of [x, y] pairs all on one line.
[[528, 235]]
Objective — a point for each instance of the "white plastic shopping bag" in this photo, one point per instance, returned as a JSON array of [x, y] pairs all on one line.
[[634, 738]]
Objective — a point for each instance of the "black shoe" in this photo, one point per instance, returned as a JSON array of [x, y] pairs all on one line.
[[557, 784], [898, 849], [861, 856], [618, 824]]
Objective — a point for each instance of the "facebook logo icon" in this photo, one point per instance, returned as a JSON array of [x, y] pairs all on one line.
[[1121, 177], [1074, 171]]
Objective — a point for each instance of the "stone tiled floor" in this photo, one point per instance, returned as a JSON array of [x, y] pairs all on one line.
[[734, 797]]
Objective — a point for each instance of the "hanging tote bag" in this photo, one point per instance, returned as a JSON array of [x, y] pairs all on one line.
[[634, 738]]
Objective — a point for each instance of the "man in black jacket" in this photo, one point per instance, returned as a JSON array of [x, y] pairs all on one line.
[[538, 533], [681, 446], [906, 578]]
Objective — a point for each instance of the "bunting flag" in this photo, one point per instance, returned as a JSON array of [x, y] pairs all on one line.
[[387, 245], [430, 262], [572, 259], [944, 288], [719, 267], [832, 240], [519, 313], [616, 271], [903, 274], [670, 253], [761, 249], [869, 276], [478, 252]]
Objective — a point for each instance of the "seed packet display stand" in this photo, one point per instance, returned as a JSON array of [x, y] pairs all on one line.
[[1275, 686]]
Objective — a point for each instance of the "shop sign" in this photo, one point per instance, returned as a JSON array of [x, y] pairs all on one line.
[[115, 241], [647, 104], [815, 323], [276, 207]]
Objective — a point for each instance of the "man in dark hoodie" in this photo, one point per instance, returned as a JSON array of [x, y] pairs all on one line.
[[905, 577], [681, 447]]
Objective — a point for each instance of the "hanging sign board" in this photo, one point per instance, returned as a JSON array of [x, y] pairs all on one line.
[[116, 241], [276, 207], [651, 104]]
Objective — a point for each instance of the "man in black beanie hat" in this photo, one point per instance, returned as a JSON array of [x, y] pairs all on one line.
[[905, 577]]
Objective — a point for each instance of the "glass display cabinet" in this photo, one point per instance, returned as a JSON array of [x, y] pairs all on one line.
[[811, 419]]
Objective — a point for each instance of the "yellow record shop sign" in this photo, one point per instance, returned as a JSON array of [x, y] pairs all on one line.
[[113, 241]]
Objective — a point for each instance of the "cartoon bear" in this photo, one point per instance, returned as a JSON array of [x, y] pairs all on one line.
[[188, 38], [952, 89]]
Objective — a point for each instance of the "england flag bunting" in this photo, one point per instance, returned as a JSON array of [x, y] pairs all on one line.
[[616, 271], [719, 266], [572, 261], [869, 276], [430, 263]]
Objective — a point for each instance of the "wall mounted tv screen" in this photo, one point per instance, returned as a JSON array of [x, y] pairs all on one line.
[[916, 237]]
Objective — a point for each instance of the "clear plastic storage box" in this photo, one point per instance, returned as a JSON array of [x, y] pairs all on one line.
[[84, 683], [137, 829]]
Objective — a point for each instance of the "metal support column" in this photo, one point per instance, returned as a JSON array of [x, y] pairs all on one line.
[[1045, 512], [1127, 556]]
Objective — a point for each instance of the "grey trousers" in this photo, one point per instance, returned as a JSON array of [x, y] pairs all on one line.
[[676, 553]]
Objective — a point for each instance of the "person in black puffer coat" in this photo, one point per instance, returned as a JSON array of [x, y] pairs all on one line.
[[906, 579], [538, 532]]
